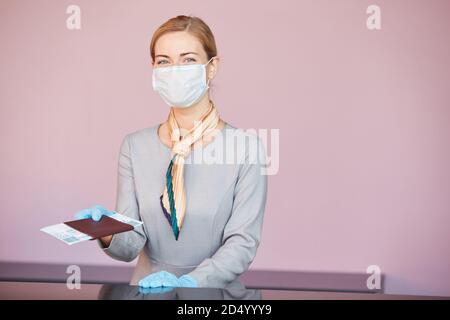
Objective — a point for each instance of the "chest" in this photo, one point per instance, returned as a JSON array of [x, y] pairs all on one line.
[[207, 186]]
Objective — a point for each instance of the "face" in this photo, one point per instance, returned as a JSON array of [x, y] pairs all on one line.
[[182, 48]]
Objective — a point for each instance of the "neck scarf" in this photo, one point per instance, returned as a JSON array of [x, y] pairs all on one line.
[[173, 198]]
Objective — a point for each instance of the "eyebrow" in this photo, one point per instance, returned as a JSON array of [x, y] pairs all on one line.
[[181, 54]]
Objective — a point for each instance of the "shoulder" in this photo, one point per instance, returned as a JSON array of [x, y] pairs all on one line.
[[141, 139], [250, 134], [246, 143], [143, 132]]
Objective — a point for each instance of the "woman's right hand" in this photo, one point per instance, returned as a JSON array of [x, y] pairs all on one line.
[[95, 213]]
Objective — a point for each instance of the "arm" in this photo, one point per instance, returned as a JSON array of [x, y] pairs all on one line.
[[125, 246], [242, 233]]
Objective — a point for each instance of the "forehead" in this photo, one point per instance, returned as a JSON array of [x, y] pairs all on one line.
[[174, 43]]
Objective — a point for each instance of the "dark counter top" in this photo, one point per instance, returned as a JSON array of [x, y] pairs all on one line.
[[48, 281], [60, 291], [258, 279]]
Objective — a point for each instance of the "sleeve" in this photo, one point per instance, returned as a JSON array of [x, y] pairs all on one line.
[[126, 246], [242, 232]]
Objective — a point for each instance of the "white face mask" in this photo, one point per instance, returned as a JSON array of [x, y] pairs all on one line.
[[181, 86]]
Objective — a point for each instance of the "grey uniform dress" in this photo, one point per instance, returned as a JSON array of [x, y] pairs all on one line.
[[225, 202]]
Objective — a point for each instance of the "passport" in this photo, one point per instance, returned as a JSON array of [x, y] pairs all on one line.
[[97, 229]]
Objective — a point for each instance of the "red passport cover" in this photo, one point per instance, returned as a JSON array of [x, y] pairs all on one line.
[[97, 229]]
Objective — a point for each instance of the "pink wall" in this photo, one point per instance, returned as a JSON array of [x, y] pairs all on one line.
[[363, 115]]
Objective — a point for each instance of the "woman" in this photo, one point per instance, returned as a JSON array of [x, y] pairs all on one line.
[[202, 222]]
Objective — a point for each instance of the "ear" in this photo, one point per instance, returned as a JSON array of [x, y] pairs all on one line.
[[213, 67]]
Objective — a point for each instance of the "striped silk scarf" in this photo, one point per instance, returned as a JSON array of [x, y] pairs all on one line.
[[173, 198]]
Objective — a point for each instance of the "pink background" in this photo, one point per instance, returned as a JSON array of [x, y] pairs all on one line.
[[363, 115]]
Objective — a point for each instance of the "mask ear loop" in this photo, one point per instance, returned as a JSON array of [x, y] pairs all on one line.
[[209, 61], [207, 83]]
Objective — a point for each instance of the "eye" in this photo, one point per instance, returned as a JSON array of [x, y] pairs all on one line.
[[190, 60], [161, 62]]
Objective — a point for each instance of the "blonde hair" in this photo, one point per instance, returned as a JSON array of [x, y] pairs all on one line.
[[194, 26]]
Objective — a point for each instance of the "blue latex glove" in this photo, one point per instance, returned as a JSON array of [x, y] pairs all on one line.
[[167, 279], [187, 281], [96, 213]]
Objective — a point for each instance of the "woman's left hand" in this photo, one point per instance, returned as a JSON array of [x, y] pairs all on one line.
[[167, 279]]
